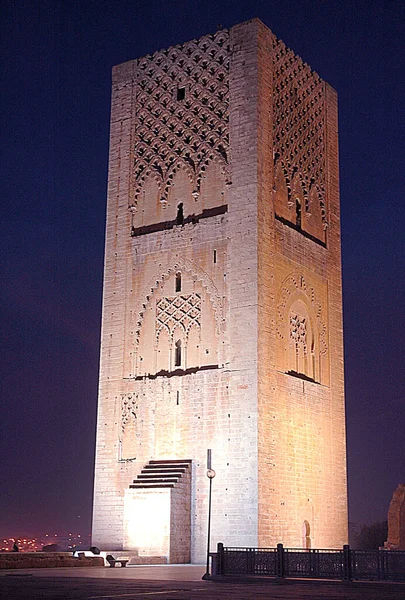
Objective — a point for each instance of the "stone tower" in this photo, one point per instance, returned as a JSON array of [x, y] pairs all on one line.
[[222, 310]]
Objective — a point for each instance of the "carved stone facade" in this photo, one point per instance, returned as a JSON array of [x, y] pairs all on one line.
[[222, 310]]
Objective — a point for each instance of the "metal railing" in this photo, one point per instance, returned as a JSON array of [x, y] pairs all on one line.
[[315, 563]]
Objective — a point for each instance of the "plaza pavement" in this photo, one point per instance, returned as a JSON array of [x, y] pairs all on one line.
[[176, 582]]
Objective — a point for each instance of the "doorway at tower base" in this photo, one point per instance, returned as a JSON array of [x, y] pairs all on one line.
[[157, 511]]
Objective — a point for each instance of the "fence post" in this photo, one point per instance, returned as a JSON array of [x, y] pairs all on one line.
[[220, 558], [314, 562], [347, 563], [382, 564], [280, 561], [250, 561]]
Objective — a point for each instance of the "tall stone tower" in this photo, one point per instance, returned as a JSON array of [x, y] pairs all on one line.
[[222, 313]]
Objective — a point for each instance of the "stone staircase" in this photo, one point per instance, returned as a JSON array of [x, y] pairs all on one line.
[[158, 509], [161, 474]]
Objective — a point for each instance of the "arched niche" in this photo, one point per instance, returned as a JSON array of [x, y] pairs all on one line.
[[312, 216], [180, 192], [213, 190], [301, 331], [149, 208], [169, 316], [297, 202]]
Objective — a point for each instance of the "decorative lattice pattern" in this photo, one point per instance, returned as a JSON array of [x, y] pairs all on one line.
[[182, 111], [298, 332], [299, 121], [178, 311]]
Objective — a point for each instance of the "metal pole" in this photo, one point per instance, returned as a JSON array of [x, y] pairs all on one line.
[[207, 571], [210, 475]]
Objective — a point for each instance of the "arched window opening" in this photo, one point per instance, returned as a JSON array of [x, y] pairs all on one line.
[[178, 282], [303, 352], [177, 354], [298, 212], [180, 214]]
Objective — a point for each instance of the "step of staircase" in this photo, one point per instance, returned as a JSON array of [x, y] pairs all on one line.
[[160, 474]]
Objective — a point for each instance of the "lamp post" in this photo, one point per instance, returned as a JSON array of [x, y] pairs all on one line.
[[210, 475]]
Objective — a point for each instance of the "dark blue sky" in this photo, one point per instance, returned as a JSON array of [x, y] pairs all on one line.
[[55, 70]]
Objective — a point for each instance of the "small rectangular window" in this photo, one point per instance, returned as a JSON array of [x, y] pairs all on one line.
[[178, 282], [181, 93], [215, 257]]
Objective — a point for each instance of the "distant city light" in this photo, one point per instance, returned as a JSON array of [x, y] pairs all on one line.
[[36, 544]]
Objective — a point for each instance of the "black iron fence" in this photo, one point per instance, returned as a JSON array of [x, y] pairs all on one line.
[[316, 564]]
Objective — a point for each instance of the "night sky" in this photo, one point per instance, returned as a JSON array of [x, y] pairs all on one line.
[[56, 59]]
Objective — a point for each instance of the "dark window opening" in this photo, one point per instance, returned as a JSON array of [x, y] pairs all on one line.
[[180, 214], [178, 282], [298, 211], [177, 354], [181, 93], [177, 398], [215, 257]]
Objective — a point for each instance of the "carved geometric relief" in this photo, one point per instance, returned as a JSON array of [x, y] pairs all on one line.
[[177, 317], [178, 311], [129, 416], [129, 409], [298, 331], [299, 124], [181, 113]]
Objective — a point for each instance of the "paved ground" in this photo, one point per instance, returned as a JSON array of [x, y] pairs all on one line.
[[175, 583]]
